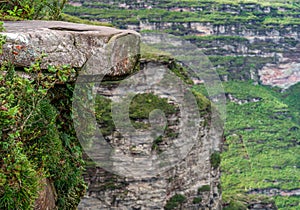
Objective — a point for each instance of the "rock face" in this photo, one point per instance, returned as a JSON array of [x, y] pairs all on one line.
[[192, 184], [71, 44], [68, 44], [196, 178]]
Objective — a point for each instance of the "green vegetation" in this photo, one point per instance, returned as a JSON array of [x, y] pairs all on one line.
[[143, 104], [103, 115], [37, 140], [291, 97], [250, 13], [139, 110], [34, 143], [197, 200], [215, 159], [261, 145], [31, 9], [214, 38], [204, 188], [15, 10], [175, 202], [262, 136], [2, 38]]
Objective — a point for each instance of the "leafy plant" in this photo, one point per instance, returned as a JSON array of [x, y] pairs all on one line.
[[197, 200], [15, 12], [32, 9], [32, 144], [204, 188], [175, 201], [2, 38], [215, 159]]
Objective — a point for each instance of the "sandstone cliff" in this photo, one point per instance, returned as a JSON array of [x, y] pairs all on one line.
[[192, 183]]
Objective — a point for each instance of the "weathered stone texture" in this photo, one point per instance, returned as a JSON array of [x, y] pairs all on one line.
[[109, 191], [72, 44], [117, 53]]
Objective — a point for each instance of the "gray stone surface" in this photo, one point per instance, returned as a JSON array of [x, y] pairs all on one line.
[[72, 44], [109, 191], [116, 52]]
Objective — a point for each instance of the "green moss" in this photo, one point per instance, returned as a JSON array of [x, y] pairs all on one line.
[[215, 159], [175, 201], [204, 104], [204, 188], [180, 72], [235, 205], [103, 115], [37, 141], [140, 108], [197, 200], [156, 142], [150, 53], [142, 104]]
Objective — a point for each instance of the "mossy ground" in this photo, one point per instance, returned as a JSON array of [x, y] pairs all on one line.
[[37, 140], [140, 108]]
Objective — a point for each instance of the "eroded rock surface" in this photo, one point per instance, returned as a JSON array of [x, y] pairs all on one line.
[[72, 44], [116, 53], [194, 177]]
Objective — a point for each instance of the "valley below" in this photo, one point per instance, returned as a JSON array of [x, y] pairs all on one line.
[[254, 47]]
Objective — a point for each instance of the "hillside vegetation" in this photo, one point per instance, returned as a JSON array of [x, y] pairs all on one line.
[[38, 145], [261, 147], [260, 161], [122, 13]]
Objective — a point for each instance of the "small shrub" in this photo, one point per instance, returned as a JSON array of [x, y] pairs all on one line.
[[32, 9], [197, 200], [34, 143], [175, 201], [215, 159], [204, 188], [235, 205]]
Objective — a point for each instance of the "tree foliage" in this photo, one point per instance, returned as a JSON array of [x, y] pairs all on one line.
[[31, 9]]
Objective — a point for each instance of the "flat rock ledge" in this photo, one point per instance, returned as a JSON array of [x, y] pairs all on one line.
[[114, 51]]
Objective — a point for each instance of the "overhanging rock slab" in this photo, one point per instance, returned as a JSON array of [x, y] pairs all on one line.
[[64, 43]]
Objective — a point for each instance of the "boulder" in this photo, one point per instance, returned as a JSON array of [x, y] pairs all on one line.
[[63, 43]]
